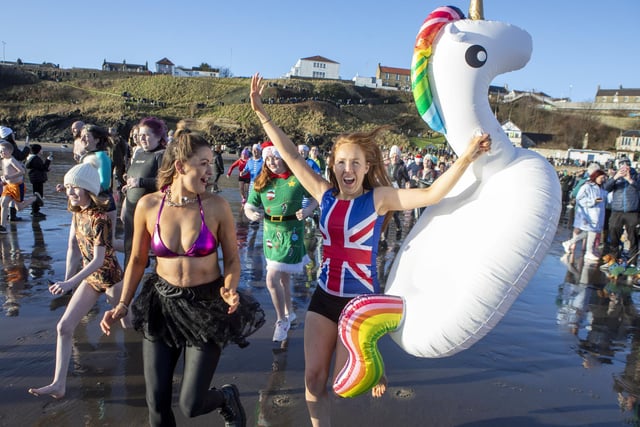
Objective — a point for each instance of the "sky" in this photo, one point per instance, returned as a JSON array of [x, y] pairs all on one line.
[[577, 45]]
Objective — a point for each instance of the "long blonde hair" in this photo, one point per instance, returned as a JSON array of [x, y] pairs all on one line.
[[184, 145]]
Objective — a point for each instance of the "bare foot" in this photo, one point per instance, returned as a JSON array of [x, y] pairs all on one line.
[[378, 390], [51, 390]]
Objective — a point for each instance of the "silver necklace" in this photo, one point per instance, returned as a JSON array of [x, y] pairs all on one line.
[[184, 201]]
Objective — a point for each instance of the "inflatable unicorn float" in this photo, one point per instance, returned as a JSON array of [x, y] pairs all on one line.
[[483, 243]]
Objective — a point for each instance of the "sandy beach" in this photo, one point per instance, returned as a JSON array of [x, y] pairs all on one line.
[[529, 371]]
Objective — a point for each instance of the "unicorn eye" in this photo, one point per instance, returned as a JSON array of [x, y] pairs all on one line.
[[476, 56]]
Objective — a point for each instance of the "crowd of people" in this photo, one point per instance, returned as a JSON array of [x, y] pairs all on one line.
[[189, 305], [602, 206]]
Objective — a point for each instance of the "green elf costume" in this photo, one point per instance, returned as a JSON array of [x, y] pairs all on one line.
[[283, 233]]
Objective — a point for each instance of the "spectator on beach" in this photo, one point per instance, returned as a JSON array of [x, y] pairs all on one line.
[[76, 133], [119, 156], [133, 140], [589, 216], [415, 170], [218, 167], [314, 154], [96, 143], [244, 177], [254, 164], [625, 205], [92, 267], [37, 170], [399, 179], [13, 189], [20, 155], [303, 150], [281, 196], [141, 177], [429, 173], [189, 306], [358, 194]]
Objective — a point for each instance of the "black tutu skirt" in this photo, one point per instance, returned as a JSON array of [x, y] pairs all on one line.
[[194, 315]]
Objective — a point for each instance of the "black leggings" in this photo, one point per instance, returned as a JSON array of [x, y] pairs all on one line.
[[196, 398]]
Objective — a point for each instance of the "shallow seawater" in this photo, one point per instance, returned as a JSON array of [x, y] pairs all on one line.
[[565, 354]]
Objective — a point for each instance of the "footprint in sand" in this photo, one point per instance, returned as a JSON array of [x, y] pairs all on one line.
[[401, 393]]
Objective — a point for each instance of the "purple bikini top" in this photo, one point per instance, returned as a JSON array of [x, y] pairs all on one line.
[[204, 245]]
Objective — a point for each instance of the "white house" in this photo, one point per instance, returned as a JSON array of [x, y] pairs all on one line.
[[315, 67], [194, 72], [513, 132]]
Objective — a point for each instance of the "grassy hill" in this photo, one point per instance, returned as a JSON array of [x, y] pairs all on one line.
[[308, 110]]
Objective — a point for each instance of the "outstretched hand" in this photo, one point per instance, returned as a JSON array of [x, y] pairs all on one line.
[[478, 146]]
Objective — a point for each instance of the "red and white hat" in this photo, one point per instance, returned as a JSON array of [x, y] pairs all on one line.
[[269, 150], [418, 158]]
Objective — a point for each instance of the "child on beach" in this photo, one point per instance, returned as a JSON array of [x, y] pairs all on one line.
[[12, 184], [37, 170], [89, 237]]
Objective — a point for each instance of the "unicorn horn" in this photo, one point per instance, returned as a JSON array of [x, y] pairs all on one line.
[[476, 11]]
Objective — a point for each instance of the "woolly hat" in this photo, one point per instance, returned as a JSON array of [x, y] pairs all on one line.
[[84, 176], [5, 132], [256, 147], [304, 147], [418, 158], [592, 168], [395, 150], [269, 150]]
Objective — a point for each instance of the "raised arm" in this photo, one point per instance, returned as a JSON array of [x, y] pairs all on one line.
[[311, 181], [392, 199]]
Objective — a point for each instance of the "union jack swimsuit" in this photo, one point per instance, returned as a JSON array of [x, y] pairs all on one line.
[[350, 232]]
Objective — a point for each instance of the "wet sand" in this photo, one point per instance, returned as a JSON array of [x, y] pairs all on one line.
[[528, 371]]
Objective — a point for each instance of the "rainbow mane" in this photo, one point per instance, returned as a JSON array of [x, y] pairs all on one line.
[[420, 61]]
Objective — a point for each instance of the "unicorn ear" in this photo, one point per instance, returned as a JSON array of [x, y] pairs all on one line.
[[455, 33]]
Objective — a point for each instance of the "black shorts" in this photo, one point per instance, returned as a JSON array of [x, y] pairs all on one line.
[[327, 305]]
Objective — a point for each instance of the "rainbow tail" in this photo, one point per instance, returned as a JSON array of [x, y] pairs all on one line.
[[362, 323]]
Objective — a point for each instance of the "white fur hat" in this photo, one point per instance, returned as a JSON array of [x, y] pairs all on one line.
[[84, 176], [5, 132]]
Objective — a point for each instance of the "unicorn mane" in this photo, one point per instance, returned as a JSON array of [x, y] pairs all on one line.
[[420, 61]]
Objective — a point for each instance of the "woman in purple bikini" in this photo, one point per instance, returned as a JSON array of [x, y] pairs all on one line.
[[190, 306]]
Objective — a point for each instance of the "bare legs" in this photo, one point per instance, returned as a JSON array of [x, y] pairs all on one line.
[[279, 286], [84, 297], [320, 341]]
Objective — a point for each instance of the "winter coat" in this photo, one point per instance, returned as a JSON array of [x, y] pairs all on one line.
[[625, 195], [37, 168], [589, 214]]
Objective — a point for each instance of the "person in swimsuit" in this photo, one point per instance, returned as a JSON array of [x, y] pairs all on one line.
[[100, 273], [189, 306], [353, 204]]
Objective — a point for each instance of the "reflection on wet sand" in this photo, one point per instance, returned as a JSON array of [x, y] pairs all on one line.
[[600, 311], [13, 277]]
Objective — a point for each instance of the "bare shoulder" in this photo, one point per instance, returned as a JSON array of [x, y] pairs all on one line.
[[150, 201]]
